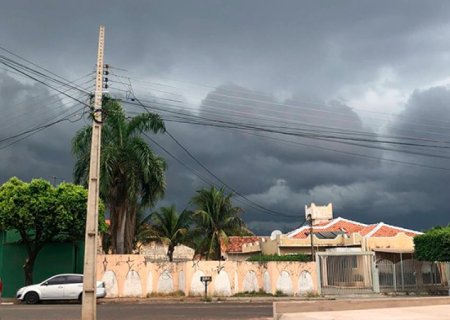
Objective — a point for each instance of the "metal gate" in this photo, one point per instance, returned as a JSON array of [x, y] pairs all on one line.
[[346, 272], [408, 275]]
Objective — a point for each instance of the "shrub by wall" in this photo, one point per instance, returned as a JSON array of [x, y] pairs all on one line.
[[290, 257], [433, 245]]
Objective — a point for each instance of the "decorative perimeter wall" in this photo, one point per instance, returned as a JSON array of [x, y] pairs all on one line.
[[132, 276]]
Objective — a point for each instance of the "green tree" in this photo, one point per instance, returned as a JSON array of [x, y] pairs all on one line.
[[216, 219], [170, 227], [132, 176], [41, 214], [433, 245]]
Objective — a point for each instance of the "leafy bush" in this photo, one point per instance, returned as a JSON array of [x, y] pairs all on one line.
[[433, 245], [290, 257]]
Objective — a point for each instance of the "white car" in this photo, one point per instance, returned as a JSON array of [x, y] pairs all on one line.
[[59, 287]]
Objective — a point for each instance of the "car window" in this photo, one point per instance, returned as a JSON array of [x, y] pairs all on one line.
[[57, 280], [74, 279]]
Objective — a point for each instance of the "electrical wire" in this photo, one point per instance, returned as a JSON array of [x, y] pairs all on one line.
[[223, 124], [214, 175]]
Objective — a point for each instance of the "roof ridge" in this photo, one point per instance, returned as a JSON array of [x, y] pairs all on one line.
[[296, 231], [403, 229], [329, 224], [374, 230]]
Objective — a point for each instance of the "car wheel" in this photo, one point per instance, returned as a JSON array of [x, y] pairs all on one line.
[[80, 298], [31, 298]]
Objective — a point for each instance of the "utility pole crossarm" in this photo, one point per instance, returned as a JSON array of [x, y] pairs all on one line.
[[89, 304]]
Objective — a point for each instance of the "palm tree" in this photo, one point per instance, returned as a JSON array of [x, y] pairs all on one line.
[[170, 227], [131, 174], [218, 219]]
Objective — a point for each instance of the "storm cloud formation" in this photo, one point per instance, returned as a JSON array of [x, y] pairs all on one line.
[[303, 71]]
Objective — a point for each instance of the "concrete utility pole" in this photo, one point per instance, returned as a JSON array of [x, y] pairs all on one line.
[[89, 305]]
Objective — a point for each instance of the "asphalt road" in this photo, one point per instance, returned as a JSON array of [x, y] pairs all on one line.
[[152, 311]]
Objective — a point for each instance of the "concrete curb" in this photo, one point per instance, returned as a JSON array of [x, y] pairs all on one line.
[[199, 300]]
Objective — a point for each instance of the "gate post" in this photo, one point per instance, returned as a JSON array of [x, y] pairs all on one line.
[[394, 266], [318, 271], [375, 276]]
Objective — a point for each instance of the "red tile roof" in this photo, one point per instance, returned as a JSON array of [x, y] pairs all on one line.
[[235, 243], [338, 224], [348, 226], [384, 230], [364, 231]]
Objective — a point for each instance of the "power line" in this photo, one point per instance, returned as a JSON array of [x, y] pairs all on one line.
[[64, 82], [46, 84], [30, 62], [214, 175], [271, 118], [17, 118], [25, 134], [254, 93], [312, 134], [223, 124]]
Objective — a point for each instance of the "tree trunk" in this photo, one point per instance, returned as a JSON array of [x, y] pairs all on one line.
[[219, 248], [114, 227], [29, 266], [170, 251], [130, 229], [118, 223], [120, 236]]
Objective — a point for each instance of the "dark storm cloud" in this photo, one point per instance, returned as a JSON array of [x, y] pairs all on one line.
[[45, 154], [305, 46], [275, 173], [289, 59]]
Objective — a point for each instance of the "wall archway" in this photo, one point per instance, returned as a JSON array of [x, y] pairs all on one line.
[[284, 283], [250, 282], [133, 286], [111, 286], [305, 283]]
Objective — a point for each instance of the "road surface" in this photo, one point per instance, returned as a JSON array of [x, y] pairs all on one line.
[[119, 311]]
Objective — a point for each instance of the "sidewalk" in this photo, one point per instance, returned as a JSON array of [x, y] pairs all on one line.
[[441, 312], [367, 309]]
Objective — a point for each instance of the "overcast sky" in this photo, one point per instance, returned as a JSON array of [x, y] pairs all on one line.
[[377, 69]]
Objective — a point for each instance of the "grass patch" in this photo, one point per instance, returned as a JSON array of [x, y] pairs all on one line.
[[178, 293], [312, 294], [280, 293], [259, 293]]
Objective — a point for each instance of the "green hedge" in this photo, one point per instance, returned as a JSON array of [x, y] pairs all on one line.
[[433, 245], [290, 257]]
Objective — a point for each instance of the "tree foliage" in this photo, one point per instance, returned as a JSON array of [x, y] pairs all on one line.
[[217, 219], [132, 176], [41, 214], [170, 227], [433, 245]]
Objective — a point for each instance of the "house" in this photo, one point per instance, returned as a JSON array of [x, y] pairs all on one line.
[[328, 234], [157, 252], [344, 240], [241, 248]]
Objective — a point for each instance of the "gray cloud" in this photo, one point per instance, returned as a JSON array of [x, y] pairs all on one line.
[[296, 64]]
